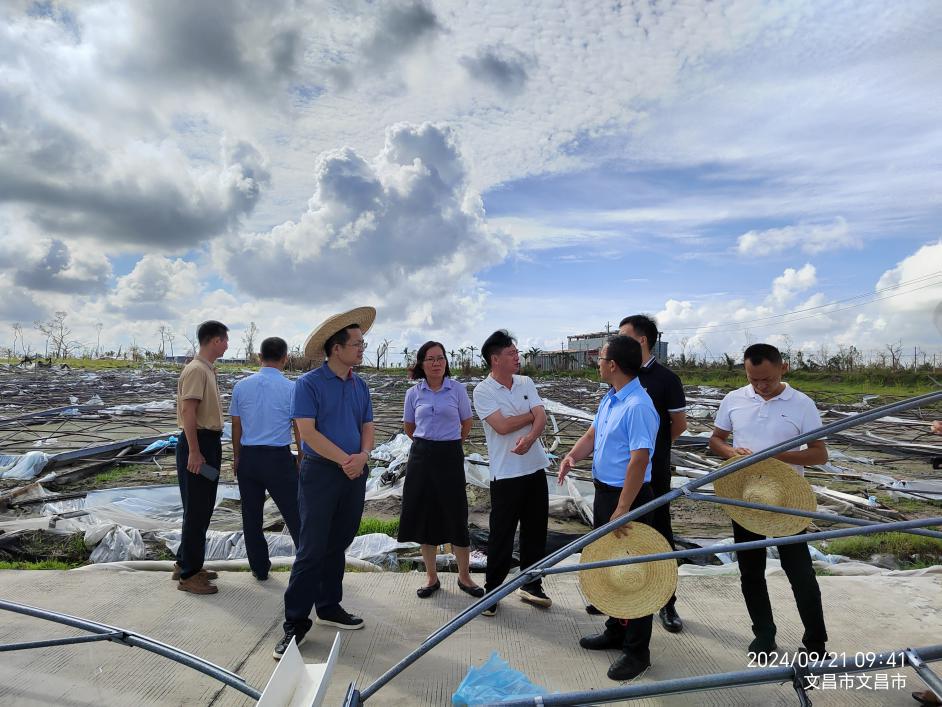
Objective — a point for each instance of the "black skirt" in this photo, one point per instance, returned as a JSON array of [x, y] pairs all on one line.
[[434, 503]]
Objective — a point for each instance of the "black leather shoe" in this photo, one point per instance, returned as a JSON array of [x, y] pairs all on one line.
[[627, 668], [593, 610], [426, 592], [762, 646], [476, 592], [601, 641], [670, 620]]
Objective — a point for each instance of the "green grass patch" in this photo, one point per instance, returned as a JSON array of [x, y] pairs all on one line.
[[378, 525], [907, 548], [41, 565], [122, 472]]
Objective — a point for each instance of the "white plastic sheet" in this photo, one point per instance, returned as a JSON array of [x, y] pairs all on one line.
[[22, 466], [114, 543]]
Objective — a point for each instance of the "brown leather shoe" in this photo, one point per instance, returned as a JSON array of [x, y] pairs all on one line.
[[926, 697], [197, 584], [209, 574]]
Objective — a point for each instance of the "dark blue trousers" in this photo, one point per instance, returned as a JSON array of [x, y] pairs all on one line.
[[199, 499], [271, 469], [331, 506]]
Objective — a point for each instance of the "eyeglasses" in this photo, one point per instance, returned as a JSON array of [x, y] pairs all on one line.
[[433, 359], [603, 358], [357, 344]]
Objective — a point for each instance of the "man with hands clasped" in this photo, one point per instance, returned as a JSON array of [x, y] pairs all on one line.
[[622, 440]]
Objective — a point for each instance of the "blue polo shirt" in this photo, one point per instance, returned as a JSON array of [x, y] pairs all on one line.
[[626, 421], [262, 402], [338, 406]]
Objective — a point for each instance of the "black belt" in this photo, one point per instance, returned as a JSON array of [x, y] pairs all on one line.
[[203, 431], [602, 486], [267, 447]]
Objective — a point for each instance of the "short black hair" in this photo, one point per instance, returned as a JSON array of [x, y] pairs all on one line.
[[339, 338], [757, 353], [643, 325], [207, 331], [273, 348], [417, 371], [494, 344], [626, 353]]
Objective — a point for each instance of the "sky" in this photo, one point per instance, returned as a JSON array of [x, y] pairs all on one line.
[[744, 171]]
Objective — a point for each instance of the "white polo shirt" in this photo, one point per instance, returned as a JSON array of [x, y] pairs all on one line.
[[758, 424], [490, 397]]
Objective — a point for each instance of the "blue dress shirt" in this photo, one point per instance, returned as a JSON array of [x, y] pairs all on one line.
[[626, 421], [339, 407], [262, 402]]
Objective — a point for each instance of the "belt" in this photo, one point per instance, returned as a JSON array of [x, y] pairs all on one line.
[[204, 431], [602, 486]]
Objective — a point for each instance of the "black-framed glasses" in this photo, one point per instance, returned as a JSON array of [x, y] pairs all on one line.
[[357, 344]]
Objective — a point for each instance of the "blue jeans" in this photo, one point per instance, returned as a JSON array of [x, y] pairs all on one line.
[[331, 505]]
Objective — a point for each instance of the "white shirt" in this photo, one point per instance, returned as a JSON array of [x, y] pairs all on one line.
[[758, 424], [490, 397]]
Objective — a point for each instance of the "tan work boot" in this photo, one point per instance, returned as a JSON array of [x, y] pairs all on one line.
[[209, 574], [197, 584]]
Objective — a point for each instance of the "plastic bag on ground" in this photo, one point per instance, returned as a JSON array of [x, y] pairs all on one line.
[[22, 466], [115, 543], [494, 681]]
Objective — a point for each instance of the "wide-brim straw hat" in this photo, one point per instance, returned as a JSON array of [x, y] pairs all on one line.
[[773, 483], [314, 345], [629, 591]]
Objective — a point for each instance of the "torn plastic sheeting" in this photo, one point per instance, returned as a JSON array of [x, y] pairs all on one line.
[[142, 507], [378, 548], [230, 545], [22, 466], [114, 543], [152, 406], [160, 444], [559, 408]]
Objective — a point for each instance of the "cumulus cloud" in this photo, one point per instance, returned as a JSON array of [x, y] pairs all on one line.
[[809, 238], [915, 283], [500, 67], [792, 281], [404, 230], [49, 265], [157, 288]]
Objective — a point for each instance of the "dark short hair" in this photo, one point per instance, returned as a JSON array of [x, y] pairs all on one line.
[[338, 338], [643, 325], [626, 353], [757, 353], [273, 348], [207, 331], [417, 371], [494, 344]]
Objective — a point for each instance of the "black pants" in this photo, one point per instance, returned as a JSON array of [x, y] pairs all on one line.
[[796, 561], [270, 469], [523, 500], [661, 517], [635, 633], [331, 505], [199, 498]]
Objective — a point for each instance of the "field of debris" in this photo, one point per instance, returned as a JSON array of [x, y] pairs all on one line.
[[87, 471]]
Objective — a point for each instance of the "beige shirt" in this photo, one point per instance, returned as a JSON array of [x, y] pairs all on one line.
[[198, 382]]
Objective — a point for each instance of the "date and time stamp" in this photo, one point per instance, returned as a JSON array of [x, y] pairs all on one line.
[[882, 669]]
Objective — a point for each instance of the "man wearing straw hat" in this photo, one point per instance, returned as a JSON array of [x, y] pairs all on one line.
[[335, 418], [622, 440], [760, 415], [667, 394]]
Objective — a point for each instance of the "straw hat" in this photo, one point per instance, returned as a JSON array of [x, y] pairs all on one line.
[[773, 483], [629, 591], [314, 345]]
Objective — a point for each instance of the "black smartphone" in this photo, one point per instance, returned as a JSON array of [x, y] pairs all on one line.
[[210, 472]]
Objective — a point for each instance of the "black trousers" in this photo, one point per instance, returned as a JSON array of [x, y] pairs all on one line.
[[523, 500], [199, 499], [331, 505], [661, 517], [635, 633], [796, 561], [271, 469]]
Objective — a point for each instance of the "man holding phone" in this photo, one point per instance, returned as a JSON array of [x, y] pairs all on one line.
[[199, 455]]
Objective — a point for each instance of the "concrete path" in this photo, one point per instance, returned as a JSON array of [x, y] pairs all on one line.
[[238, 628]]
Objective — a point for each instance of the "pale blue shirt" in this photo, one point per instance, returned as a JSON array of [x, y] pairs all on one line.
[[262, 402], [626, 421]]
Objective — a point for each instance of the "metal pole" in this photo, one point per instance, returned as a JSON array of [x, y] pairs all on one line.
[[758, 676], [751, 545], [134, 639], [917, 660], [491, 598], [60, 641], [817, 515]]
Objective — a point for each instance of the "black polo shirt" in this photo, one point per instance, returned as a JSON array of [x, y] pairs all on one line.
[[667, 394]]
